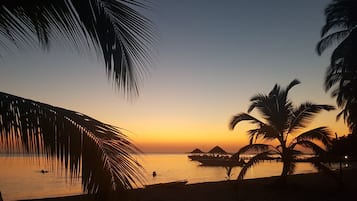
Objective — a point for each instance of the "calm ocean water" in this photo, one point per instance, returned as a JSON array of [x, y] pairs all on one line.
[[21, 177]]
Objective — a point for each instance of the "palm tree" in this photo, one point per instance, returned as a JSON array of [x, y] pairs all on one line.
[[101, 153], [341, 75], [281, 122]]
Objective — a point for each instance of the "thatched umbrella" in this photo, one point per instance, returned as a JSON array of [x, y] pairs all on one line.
[[196, 151], [217, 150]]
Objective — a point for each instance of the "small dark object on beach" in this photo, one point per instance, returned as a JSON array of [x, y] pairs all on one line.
[[154, 174]]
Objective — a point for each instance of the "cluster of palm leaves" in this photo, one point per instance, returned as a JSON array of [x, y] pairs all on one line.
[[117, 32], [122, 37], [282, 123], [341, 75], [97, 152]]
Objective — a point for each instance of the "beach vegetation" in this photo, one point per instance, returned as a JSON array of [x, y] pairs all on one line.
[[340, 32], [122, 37], [282, 123], [344, 147], [98, 153]]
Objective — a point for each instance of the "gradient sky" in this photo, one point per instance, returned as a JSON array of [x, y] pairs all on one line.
[[212, 57]]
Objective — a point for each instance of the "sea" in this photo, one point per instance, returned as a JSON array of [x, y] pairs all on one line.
[[21, 176]]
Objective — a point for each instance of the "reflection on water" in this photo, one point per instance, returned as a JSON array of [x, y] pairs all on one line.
[[21, 177], [173, 167]]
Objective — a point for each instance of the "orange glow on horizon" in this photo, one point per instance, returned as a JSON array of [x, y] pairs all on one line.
[[173, 142], [185, 139]]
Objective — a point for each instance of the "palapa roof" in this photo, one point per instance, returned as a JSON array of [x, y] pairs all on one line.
[[196, 151], [217, 150]]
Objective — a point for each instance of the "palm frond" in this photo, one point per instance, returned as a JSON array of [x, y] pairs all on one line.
[[322, 134], [275, 107], [72, 137], [348, 114], [304, 113], [310, 145], [342, 10], [339, 15], [344, 51], [256, 100], [264, 131], [242, 117], [118, 33], [256, 148], [253, 135], [333, 75], [266, 106], [253, 161], [291, 85], [341, 21], [336, 24], [270, 107], [294, 153], [342, 113], [330, 39]]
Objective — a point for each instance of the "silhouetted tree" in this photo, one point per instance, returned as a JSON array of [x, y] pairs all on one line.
[[344, 146], [281, 122], [341, 75], [117, 32]]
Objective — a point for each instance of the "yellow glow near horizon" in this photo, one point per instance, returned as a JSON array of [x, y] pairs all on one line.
[[185, 140]]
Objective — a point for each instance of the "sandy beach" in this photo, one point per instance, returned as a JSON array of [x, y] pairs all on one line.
[[314, 186]]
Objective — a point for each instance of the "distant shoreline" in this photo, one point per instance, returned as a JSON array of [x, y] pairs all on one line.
[[310, 186]]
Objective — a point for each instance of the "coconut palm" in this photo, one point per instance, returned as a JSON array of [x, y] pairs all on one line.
[[281, 123], [341, 75], [101, 153]]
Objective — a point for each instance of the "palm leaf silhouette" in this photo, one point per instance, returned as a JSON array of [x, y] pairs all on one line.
[[73, 138], [340, 30], [114, 29], [258, 158]]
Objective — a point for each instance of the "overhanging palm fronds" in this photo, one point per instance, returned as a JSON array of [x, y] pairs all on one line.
[[329, 40], [72, 137], [114, 29], [340, 30]]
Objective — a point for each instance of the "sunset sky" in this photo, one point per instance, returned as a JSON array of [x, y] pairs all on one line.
[[211, 58]]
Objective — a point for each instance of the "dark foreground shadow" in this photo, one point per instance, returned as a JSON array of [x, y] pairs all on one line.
[[307, 187]]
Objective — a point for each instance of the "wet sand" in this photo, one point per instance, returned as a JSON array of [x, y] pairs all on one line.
[[307, 187]]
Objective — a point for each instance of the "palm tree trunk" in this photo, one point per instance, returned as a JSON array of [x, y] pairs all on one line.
[[284, 173], [286, 166]]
